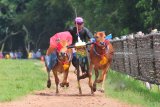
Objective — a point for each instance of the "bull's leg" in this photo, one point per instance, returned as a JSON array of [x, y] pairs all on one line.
[[65, 81], [75, 62], [90, 79], [66, 78], [103, 78], [96, 77], [56, 80], [84, 73], [103, 82], [49, 80], [78, 80]]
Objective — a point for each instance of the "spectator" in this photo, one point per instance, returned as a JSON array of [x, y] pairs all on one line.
[[15, 54], [38, 54], [19, 54], [7, 56], [1, 55], [33, 55], [12, 56], [30, 55]]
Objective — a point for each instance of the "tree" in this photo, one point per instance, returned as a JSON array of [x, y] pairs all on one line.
[[43, 19], [27, 39], [7, 28], [8, 35], [149, 13]]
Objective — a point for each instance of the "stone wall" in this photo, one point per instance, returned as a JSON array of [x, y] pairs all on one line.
[[138, 57]]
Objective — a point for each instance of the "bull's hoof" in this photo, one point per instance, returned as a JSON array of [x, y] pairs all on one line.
[[99, 81], [48, 83], [101, 90], [80, 92], [94, 87], [67, 84], [92, 92], [62, 84], [57, 92], [85, 75]]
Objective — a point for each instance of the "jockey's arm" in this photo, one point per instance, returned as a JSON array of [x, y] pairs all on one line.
[[89, 34]]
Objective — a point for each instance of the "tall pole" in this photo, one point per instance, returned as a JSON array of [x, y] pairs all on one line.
[[77, 26]]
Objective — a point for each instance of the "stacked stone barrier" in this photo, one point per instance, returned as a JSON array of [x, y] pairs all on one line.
[[119, 56], [138, 57], [156, 47]]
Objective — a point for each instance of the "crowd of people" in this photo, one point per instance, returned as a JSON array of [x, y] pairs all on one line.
[[34, 55], [19, 55], [11, 55]]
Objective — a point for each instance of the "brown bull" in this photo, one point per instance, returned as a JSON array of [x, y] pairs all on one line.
[[101, 53], [62, 66]]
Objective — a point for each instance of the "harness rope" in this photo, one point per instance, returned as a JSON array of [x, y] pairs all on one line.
[[65, 62], [106, 48]]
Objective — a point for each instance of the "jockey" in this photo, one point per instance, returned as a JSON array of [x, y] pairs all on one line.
[[80, 30], [84, 34]]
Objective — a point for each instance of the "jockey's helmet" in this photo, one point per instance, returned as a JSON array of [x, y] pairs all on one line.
[[79, 20]]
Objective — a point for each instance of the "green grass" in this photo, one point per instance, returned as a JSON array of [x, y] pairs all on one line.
[[132, 91], [20, 77]]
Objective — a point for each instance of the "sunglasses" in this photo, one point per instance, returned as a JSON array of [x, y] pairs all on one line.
[[79, 23]]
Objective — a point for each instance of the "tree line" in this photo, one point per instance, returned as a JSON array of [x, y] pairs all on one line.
[[28, 24]]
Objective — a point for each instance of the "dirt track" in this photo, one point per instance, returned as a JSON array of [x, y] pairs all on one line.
[[68, 97]]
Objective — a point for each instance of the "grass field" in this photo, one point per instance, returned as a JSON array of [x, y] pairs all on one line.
[[130, 90], [20, 77]]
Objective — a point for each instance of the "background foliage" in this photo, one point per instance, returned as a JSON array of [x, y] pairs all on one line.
[[43, 18]]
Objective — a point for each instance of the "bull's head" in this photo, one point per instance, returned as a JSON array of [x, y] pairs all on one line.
[[100, 38], [64, 57]]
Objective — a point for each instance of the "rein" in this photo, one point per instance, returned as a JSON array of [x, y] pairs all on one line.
[[65, 62]]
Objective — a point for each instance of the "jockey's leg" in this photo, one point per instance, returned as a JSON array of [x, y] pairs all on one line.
[[85, 67], [87, 64], [53, 59], [74, 60], [50, 60]]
